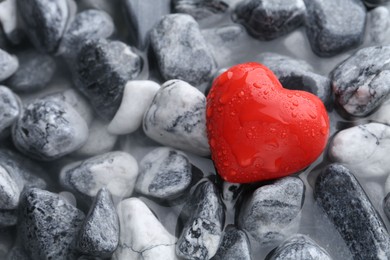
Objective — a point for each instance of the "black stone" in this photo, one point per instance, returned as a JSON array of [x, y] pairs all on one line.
[[362, 82], [164, 174], [103, 68], [372, 3], [10, 106], [48, 225], [34, 73], [45, 22], [298, 75], [334, 26], [298, 247], [386, 205], [269, 19], [234, 245], [99, 235], [181, 51], [203, 218], [347, 206], [200, 9], [271, 209], [17, 253], [8, 218]]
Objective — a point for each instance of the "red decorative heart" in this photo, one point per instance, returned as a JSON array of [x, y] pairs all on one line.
[[258, 130]]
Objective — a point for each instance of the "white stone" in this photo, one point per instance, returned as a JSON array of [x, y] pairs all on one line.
[[137, 97], [364, 149], [99, 140], [8, 64], [117, 171], [9, 191], [142, 236], [177, 118], [8, 16]]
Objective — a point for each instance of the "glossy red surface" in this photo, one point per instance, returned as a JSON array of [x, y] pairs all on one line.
[[258, 130]]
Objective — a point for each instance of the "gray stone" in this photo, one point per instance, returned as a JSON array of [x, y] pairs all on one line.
[[334, 26], [377, 27], [375, 2], [164, 173], [142, 16], [9, 191], [8, 218], [103, 68], [49, 129], [34, 73], [386, 205], [269, 19], [181, 51], [273, 211], [9, 107], [8, 64], [117, 171], [10, 21], [299, 247], [87, 25], [234, 245], [182, 127], [45, 22], [200, 9], [203, 219], [347, 206], [99, 235], [48, 225], [298, 75], [361, 83]]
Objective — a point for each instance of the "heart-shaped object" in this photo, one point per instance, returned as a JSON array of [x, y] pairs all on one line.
[[258, 130]]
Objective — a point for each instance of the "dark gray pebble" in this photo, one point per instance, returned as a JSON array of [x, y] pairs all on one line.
[[103, 68], [200, 9], [10, 106], [8, 64], [99, 235], [346, 204], [234, 245]]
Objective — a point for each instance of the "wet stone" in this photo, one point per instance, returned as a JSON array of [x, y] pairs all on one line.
[[34, 73], [9, 107], [137, 97], [347, 206], [99, 234], [49, 129], [181, 51], [164, 174], [234, 245], [181, 127], [117, 171], [299, 247], [273, 211], [87, 25], [45, 22], [200, 9], [8, 64], [361, 82], [331, 29], [142, 236], [270, 19], [203, 219], [142, 16], [363, 149], [48, 225], [297, 75], [103, 69]]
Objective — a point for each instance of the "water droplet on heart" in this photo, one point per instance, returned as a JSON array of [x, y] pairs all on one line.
[[212, 95], [295, 103], [219, 154], [273, 145], [265, 92], [294, 114], [312, 115], [225, 163], [313, 133], [324, 131], [289, 95], [219, 109], [272, 130], [233, 113], [249, 135], [209, 111], [257, 85], [297, 94], [230, 75], [283, 135], [224, 99], [233, 172], [241, 94], [212, 142]]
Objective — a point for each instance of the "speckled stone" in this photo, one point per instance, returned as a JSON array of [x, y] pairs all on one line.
[[48, 225], [49, 129], [45, 22], [8, 64], [34, 73], [362, 82], [182, 127], [269, 19], [273, 211], [299, 247], [181, 51], [200, 9], [203, 218], [99, 234], [334, 26], [234, 245], [386, 205], [164, 173], [103, 68], [10, 106], [9, 191], [298, 75], [347, 206]]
